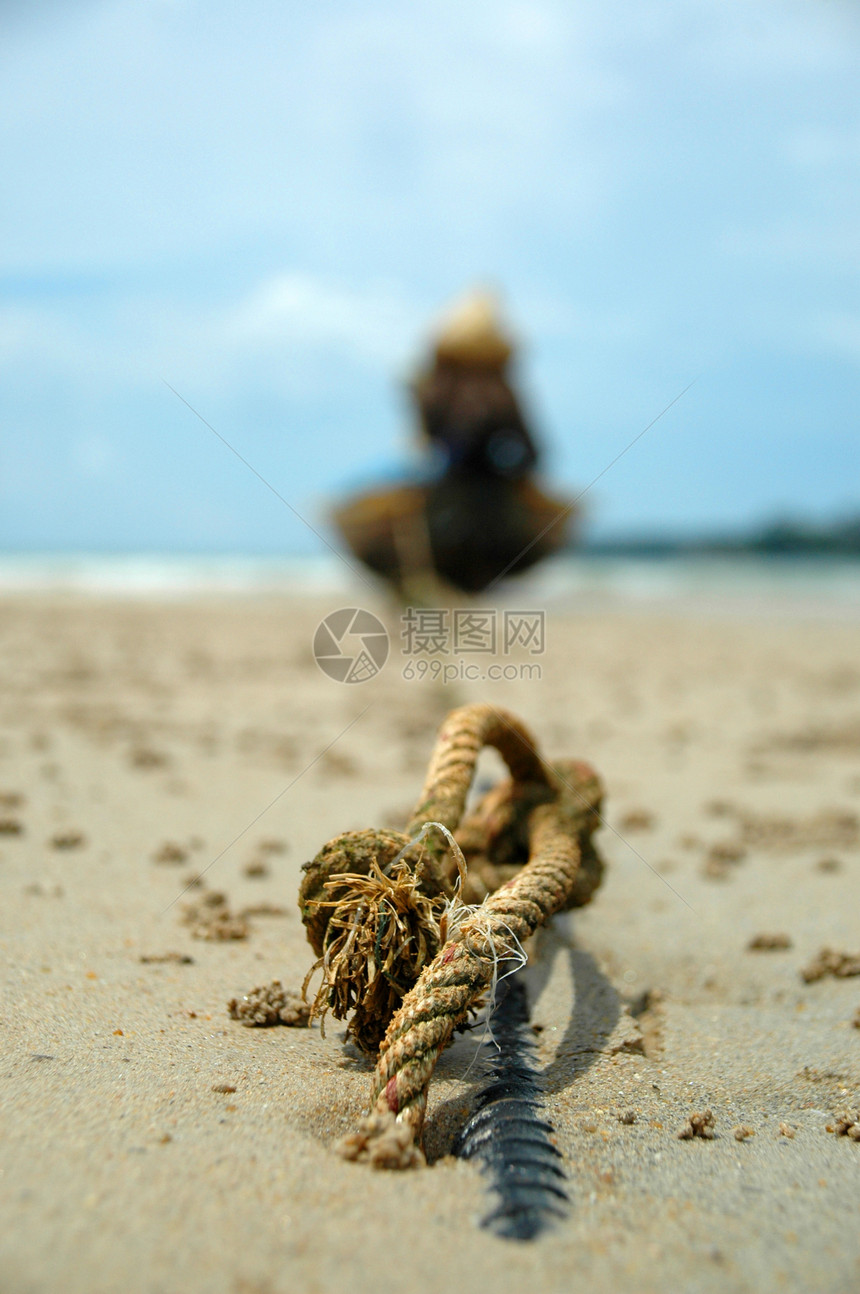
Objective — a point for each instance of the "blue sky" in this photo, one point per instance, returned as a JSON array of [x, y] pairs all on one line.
[[265, 204]]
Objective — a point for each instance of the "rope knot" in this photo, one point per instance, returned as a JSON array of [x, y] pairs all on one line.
[[387, 911]]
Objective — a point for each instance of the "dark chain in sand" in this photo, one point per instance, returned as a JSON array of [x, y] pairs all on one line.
[[528, 842]]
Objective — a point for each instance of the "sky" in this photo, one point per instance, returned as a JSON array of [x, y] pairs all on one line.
[[265, 206]]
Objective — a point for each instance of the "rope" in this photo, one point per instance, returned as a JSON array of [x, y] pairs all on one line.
[[465, 968], [403, 950], [452, 766]]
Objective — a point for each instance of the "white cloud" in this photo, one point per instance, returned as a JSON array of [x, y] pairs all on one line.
[[141, 132], [290, 334], [821, 241], [839, 330], [94, 457], [815, 148], [38, 336], [295, 309], [753, 40]]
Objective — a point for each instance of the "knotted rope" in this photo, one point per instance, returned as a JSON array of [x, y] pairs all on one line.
[[409, 929]]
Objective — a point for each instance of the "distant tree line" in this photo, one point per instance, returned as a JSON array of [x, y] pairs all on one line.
[[782, 537]]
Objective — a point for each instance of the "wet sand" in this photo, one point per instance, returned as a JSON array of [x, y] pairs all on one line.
[[152, 1143]]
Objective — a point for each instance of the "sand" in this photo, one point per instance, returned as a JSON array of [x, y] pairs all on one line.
[[152, 1143]]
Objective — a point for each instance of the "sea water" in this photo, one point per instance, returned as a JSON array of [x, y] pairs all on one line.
[[571, 583]]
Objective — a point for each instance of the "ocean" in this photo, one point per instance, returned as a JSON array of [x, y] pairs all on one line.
[[747, 585]]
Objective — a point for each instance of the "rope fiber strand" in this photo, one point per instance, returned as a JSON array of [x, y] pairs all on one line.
[[412, 949]]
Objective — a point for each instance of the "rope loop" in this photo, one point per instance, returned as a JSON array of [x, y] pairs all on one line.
[[410, 928]]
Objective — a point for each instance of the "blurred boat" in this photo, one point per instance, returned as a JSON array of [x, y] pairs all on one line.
[[468, 532], [482, 516]]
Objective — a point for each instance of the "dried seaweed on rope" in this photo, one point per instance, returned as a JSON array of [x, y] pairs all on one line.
[[381, 933]]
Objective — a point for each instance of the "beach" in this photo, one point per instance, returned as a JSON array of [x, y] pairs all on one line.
[[157, 750]]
